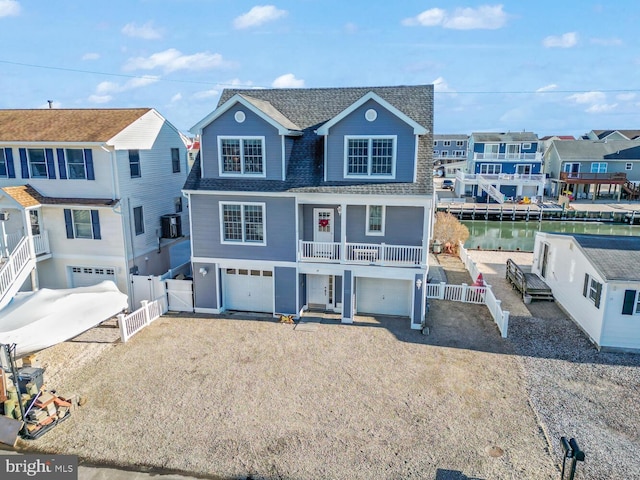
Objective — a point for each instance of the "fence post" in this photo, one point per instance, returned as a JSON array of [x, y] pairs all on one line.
[[145, 307], [123, 328], [441, 290], [505, 323], [465, 291]]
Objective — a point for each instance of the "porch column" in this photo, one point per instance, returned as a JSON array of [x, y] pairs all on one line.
[[347, 296], [343, 233], [419, 301]]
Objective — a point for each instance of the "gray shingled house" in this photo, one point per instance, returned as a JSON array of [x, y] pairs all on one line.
[[595, 278], [309, 199]]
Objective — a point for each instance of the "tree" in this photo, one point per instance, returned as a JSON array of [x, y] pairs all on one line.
[[449, 231]]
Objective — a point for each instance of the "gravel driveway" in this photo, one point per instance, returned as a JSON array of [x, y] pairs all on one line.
[[257, 399]]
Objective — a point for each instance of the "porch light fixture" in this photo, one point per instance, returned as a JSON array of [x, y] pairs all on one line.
[[203, 271], [339, 209], [419, 284]]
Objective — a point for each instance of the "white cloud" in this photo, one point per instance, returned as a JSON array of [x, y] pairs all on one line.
[[288, 80], [625, 97], [9, 8], [487, 17], [146, 31], [100, 98], [207, 93], [547, 88], [172, 60], [566, 40], [607, 42], [441, 85], [257, 16], [176, 98], [588, 97], [601, 108], [91, 56]]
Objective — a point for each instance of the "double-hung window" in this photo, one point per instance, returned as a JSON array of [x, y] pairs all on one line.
[[370, 156], [375, 219], [243, 223], [75, 163], [241, 156], [138, 220], [3, 164], [134, 163], [82, 223], [592, 289], [631, 305], [599, 167], [175, 160], [459, 143], [447, 143], [37, 163], [490, 169]]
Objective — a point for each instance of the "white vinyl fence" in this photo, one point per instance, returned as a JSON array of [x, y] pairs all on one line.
[[134, 322]]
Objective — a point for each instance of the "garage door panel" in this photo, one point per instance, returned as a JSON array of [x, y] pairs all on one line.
[[88, 276], [382, 296], [248, 290]]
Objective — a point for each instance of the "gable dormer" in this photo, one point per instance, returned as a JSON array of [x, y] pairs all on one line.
[[245, 138], [371, 140]]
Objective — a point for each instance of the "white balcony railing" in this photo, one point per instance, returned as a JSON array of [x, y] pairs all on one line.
[[41, 244], [507, 156], [522, 178], [361, 253]]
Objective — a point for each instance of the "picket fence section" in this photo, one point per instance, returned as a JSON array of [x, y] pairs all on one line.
[[134, 322]]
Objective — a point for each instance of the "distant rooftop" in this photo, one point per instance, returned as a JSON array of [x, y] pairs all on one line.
[[504, 137]]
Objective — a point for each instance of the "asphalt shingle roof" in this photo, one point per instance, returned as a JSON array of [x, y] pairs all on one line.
[[310, 108], [596, 149], [615, 257], [504, 137], [630, 134], [66, 125], [27, 196]]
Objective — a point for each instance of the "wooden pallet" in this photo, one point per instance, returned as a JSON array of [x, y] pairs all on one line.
[[528, 284]]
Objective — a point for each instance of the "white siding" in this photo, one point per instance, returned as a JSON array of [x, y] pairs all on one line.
[[620, 331], [566, 269]]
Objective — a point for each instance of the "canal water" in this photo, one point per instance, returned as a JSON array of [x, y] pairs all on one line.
[[520, 235]]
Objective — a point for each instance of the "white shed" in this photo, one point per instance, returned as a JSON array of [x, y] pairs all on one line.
[[596, 280]]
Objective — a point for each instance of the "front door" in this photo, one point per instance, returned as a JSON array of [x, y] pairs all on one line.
[[323, 232], [544, 260], [318, 291]]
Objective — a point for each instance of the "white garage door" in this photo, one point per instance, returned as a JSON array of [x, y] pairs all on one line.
[[248, 290], [87, 276], [383, 296]]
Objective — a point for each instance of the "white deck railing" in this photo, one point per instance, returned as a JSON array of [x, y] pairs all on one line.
[[41, 243], [362, 253], [136, 321], [507, 156], [11, 270]]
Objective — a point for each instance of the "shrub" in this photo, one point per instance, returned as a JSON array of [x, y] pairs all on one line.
[[448, 230]]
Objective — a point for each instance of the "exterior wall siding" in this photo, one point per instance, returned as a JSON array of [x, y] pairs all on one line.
[[620, 331], [205, 286], [281, 244], [285, 280], [55, 273], [308, 221], [385, 124], [403, 226], [511, 167], [226, 125]]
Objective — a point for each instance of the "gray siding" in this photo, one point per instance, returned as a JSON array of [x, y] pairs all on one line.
[[226, 125], [302, 290], [308, 223], [280, 229], [204, 287], [385, 124], [285, 280], [403, 226]]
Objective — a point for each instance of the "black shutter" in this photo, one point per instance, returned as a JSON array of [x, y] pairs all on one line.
[[598, 294], [24, 165], [629, 302], [585, 287], [11, 171], [88, 161], [95, 224], [62, 167], [68, 222], [51, 167]]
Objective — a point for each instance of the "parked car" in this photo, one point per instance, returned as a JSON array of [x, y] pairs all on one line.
[[447, 184]]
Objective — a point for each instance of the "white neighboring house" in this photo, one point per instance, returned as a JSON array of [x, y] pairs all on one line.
[[89, 195], [595, 278]]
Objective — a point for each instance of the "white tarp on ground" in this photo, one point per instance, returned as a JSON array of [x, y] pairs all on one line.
[[37, 320]]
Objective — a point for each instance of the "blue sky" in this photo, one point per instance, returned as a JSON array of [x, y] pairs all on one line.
[[562, 67]]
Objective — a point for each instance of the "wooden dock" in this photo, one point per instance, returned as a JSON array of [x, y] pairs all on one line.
[[528, 284]]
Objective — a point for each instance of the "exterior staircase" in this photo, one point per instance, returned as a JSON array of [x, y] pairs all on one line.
[[15, 269], [492, 191], [632, 191]]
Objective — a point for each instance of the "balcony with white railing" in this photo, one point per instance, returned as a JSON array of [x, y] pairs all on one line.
[[361, 253], [505, 178], [508, 157], [40, 242]]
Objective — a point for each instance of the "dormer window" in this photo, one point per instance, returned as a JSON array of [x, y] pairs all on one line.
[[370, 156], [241, 155]]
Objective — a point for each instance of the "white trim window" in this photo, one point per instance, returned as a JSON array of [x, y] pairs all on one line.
[[458, 153], [524, 169], [446, 143], [37, 163], [444, 153], [242, 223], [76, 163], [375, 220], [370, 156], [4, 171], [241, 156], [599, 167], [491, 150], [526, 146], [459, 143], [513, 150], [592, 289], [436, 153], [490, 169], [628, 166]]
